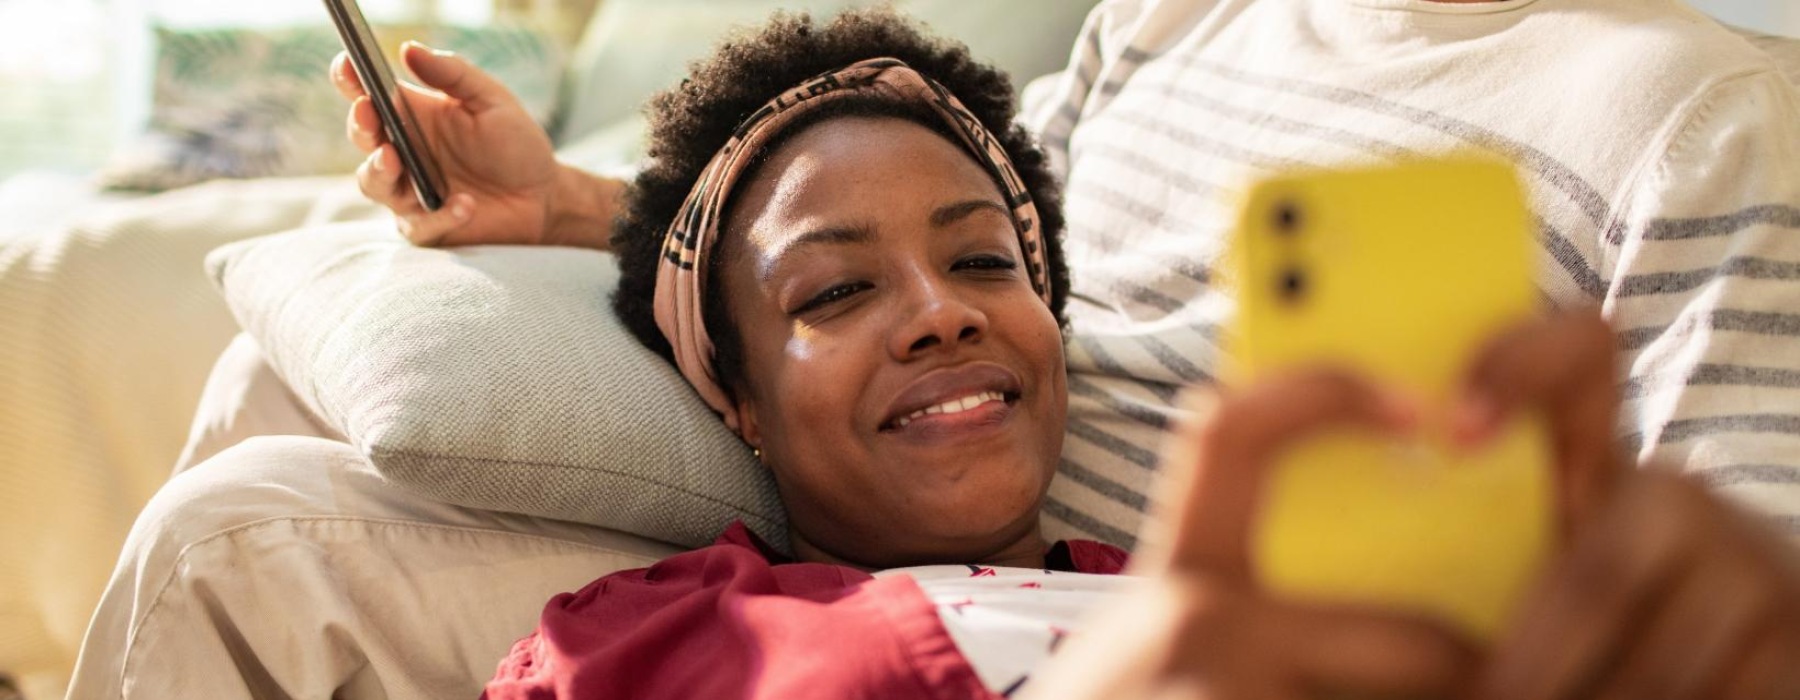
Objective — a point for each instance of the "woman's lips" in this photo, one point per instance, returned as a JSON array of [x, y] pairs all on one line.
[[943, 394], [989, 410], [951, 407]]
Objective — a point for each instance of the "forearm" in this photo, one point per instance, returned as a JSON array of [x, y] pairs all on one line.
[[582, 207]]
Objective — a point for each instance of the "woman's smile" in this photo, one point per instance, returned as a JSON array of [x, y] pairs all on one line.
[[954, 404]]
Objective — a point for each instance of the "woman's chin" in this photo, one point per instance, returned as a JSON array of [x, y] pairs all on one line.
[[969, 529], [971, 496]]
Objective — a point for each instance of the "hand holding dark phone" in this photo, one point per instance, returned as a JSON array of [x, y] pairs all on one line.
[[397, 119]]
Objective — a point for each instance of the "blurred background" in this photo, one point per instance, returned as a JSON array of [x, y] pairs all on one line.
[[79, 78]]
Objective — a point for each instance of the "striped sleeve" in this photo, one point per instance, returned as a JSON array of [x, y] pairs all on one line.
[[1052, 106], [1705, 293]]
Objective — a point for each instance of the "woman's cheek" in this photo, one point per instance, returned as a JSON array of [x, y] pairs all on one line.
[[822, 375], [1046, 339], [802, 348]]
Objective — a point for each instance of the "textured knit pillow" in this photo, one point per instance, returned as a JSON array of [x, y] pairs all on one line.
[[494, 377], [255, 103]]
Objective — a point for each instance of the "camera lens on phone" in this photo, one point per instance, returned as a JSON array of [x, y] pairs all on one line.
[[1291, 286], [1287, 217]]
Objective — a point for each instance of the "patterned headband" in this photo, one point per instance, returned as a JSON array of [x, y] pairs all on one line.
[[680, 280]]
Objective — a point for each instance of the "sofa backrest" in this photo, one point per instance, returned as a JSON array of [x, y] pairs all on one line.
[[633, 48]]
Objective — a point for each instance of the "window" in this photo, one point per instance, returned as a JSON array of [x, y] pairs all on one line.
[[76, 73]]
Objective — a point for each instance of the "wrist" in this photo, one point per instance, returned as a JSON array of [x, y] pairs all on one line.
[[580, 209]]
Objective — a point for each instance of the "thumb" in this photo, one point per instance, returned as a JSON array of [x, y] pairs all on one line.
[[455, 76]]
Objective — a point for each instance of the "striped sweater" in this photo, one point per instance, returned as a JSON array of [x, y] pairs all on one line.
[[1662, 153]]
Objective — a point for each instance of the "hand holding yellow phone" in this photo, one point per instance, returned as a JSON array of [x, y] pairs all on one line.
[[1399, 273]]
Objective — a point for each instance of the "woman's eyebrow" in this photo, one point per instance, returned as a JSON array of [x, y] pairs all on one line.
[[952, 213], [831, 235], [864, 233]]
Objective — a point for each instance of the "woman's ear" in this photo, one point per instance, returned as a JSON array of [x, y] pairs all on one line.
[[749, 429]]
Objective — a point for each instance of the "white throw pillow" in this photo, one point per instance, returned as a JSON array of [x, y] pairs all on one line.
[[494, 377]]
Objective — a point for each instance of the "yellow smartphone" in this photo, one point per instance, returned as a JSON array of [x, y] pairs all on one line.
[[1400, 273]]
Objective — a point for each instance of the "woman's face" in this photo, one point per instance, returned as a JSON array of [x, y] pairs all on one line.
[[901, 377]]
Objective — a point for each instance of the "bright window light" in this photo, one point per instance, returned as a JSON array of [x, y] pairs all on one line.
[[51, 40]]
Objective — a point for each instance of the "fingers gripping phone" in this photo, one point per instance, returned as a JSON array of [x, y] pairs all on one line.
[[397, 119], [1400, 273]]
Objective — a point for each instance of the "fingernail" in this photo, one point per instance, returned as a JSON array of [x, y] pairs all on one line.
[[441, 53], [375, 162], [459, 210]]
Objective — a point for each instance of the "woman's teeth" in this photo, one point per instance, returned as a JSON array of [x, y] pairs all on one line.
[[952, 406]]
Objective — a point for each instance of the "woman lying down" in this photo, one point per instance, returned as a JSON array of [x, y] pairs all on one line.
[[863, 277], [855, 259]]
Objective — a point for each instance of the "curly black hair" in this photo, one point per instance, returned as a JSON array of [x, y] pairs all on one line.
[[693, 120]]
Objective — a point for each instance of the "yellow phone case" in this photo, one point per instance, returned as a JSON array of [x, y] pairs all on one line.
[[1400, 273]]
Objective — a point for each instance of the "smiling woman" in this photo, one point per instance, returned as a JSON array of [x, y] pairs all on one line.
[[864, 278], [873, 259], [901, 376], [878, 293]]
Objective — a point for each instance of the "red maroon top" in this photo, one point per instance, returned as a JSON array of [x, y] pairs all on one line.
[[738, 620]]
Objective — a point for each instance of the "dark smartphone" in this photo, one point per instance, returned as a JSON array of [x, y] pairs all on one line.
[[396, 115]]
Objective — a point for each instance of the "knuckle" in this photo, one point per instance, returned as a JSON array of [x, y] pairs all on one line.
[[365, 184]]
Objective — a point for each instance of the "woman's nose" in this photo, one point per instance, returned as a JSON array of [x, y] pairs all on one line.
[[936, 318]]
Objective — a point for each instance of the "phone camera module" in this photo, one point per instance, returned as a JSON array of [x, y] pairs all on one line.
[[1287, 218], [1291, 285]]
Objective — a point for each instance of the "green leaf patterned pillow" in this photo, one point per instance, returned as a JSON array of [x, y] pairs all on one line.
[[239, 103]]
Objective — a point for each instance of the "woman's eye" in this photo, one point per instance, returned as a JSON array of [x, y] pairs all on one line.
[[834, 294], [985, 262]]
